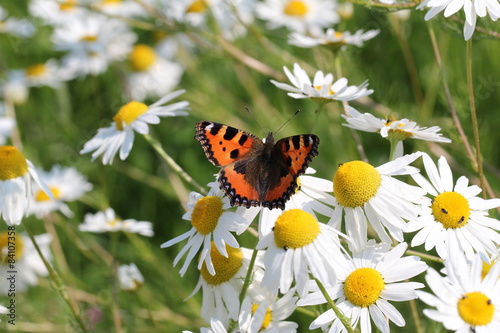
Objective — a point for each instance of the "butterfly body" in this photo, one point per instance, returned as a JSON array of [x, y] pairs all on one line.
[[254, 172]]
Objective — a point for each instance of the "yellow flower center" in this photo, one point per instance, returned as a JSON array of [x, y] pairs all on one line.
[[110, 2], [486, 269], [113, 223], [295, 228], [88, 38], [12, 163], [476, 309], [128, 113], [42, 196], [67, 5], [225, 268], [11, 247], [397, 134], [267, 317], [355, 183], [363, 286], [197, 6], [206, 214], [142, 57], [451, 209], [296, 8], [36, 70]]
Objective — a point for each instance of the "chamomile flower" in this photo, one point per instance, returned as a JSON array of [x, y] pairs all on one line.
[[221, 290], [332, 38], [45, 74], [120, 8], [366, 194], [16, 174], [455, 219], [366, 284], [14, 26], [464, 301], [298, 244], [56, 12], [132, 117], [391, 128], [297, 15], [107, 221], [212, 222], [322, 88], [472, 9], [152, 75], [92, 42], [66, 184], [130, 277], [28, 264]]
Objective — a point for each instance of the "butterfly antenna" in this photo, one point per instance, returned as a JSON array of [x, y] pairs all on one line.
[[248, 110], [286, 122]]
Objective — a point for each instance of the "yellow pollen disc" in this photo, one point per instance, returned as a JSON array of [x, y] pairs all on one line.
[[110, 2], [267, 317], [486, 269], [36, 70], [11, 247], [113, 223], [363, 286], [330, 91], [451, 209], [197, 6], [206, 214], [142, 57], [128, 113], [295, 228], [42, 196], [67, 5], [88, 38], [338, 34], [476, 309], [225, 268], [296, 8], [355, 183], [12, 163]]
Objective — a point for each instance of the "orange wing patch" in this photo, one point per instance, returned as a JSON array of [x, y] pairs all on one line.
[[224, 144], [279, 195], [298, 151], [239, 191]]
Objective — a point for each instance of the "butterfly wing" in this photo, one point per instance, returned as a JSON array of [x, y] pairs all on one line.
[[231, 149], [296, 152]]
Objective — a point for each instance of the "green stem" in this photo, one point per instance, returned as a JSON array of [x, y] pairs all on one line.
[[425, 256], [473, 114], [170, 161], [394, 145], [61, 288], [345, 321]]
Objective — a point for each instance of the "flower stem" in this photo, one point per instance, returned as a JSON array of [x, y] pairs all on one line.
[[345, 321], [61, 288], [170, 161], [475, 127]]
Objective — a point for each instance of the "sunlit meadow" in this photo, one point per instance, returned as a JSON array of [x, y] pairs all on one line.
[[112, 215]]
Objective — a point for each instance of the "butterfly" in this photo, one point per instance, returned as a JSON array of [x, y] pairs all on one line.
[[256, 173]]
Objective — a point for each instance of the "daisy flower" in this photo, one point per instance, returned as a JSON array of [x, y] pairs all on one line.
[[66, 184], [221, 290], [297, 15], [312, 195], [366, 194], [322, 88], [464, 301], [108, 222], [28, 264], [391, 128], [92, 42], [13, 26], [298, 244], [212, 222], [16, 173], [366, 284], [152, 75], [332, 38], [45, 74], [120, 8], [56, 12], [454, 218], [130, 277], [472, 9], [15, 88], [7, 124], [133, 116]]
